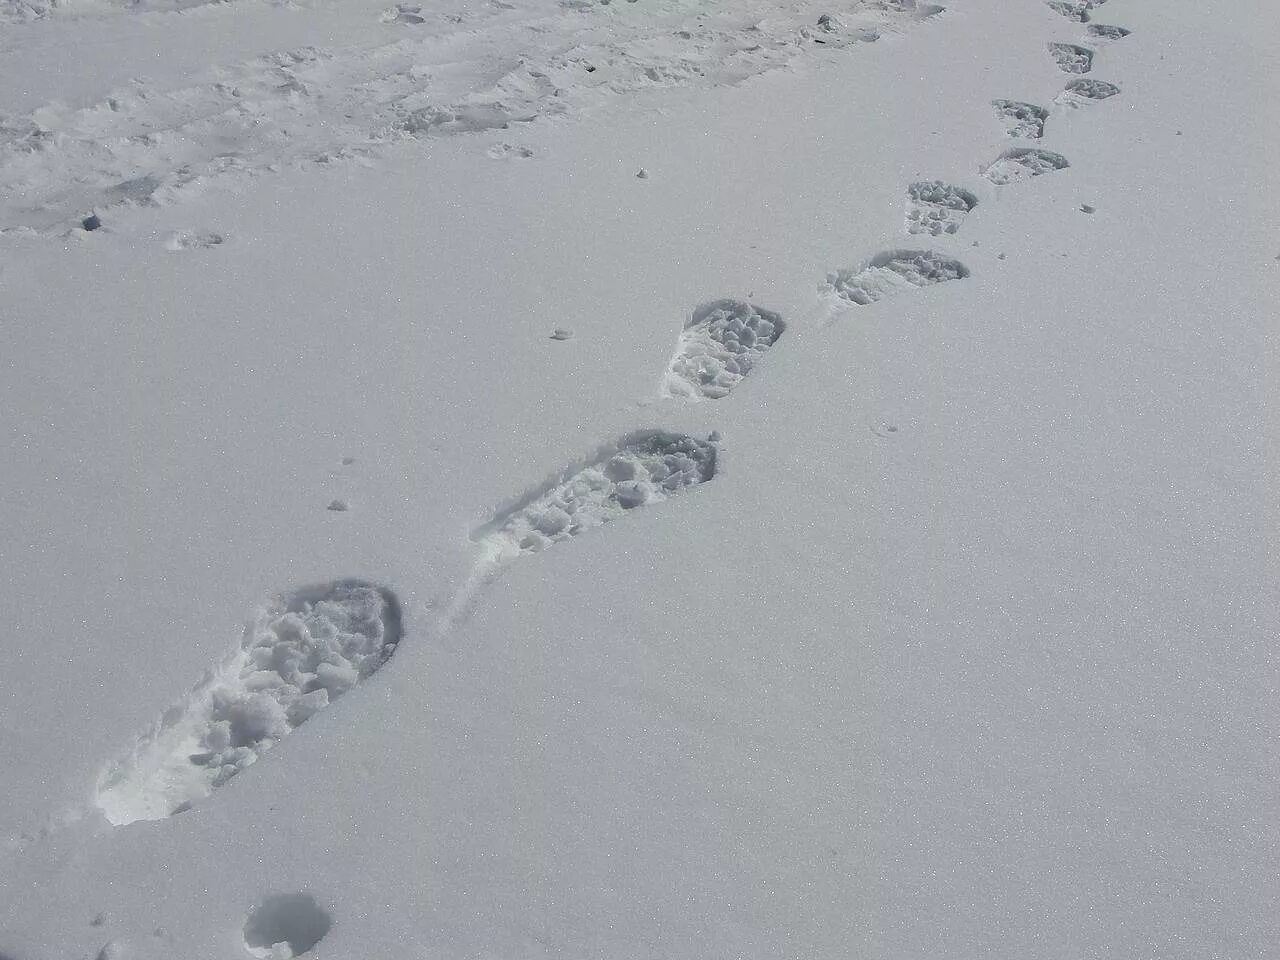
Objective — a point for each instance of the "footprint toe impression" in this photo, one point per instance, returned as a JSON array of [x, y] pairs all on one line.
[[893, 272], [300, 653], [720, 344], [1023, 163]]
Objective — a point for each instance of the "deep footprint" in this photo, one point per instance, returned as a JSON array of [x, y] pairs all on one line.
[[895, 271], [1082, 92], [1023, 163], [299, 654], [721, 343], [641, 469], [935, 208], [1071, 58], [1023, 120], [285, 925]]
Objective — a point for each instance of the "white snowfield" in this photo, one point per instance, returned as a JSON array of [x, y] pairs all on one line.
[[655, 479]]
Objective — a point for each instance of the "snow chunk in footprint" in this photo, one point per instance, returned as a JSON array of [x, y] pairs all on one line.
[[1082, 92], [299, 654], [1023, 163], [1071, 58], [1024, 120], [719, 345], [895, 271], [643, 468], [934, 207]]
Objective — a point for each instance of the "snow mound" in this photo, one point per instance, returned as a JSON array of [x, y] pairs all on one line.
[[895, 271], [934, 207], [1023, 163], [719, 345], [299, 655]]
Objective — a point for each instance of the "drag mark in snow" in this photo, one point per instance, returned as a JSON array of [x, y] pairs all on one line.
[[299, 654], [1079, 93], [1105, 31], [1023, 163], [285, 925], [719, 345], [935, 208], [1071, 58], [640, 469], [1023, 120], [892, 272]]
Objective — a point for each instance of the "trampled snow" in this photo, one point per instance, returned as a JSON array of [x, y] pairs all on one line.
[[854, 537]]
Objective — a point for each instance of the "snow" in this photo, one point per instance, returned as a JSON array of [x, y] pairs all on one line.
[[960, 643]]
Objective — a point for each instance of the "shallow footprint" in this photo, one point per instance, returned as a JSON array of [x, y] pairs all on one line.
[[935, 208], [719, 345], [1071, 58], [641, 469], [1024, 120], [1082, 92], [300, 653], [1023, 163], [892, 272]]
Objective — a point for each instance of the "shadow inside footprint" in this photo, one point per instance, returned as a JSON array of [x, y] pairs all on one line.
[[285, 925]]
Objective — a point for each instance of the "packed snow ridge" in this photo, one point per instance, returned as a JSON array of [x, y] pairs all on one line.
[[719, 345], [895, 271], [642, 469], [299, 654]]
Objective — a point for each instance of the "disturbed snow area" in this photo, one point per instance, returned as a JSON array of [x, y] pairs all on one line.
[[871, 368]]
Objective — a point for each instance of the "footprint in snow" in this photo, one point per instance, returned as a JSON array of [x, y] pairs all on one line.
[[1022, 120], [1082, 92], [1105, 31], [300, 653], [935, 208], [1077, 10], [892, 272], [720, 343], [641, 469], [1023, 163], [285, 925], [1071, 58]]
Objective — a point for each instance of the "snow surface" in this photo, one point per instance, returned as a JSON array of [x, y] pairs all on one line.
[[953, 635]]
